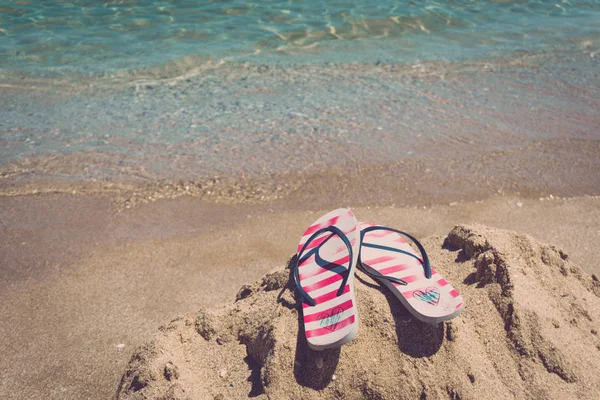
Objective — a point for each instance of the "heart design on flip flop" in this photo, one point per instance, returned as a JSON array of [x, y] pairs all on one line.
[[330, 320], [430, 295]]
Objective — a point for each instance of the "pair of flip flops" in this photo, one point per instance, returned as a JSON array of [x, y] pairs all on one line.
[[328, 253]]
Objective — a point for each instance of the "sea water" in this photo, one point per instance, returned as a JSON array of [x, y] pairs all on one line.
[[140, 90], [107, 36]]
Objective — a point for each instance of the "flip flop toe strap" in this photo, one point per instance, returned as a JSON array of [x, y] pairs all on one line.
[[375, 274], [424, 260], [300, 259]]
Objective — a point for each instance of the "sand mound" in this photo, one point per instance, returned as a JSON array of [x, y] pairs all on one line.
[[529, 330]]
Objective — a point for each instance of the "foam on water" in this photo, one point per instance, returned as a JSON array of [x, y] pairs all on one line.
[[104, 37]]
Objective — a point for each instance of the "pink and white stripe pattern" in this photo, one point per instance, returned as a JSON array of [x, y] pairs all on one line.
[[333, 321], [429, 300]]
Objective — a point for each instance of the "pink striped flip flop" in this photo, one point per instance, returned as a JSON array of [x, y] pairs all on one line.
[[324, 275], [385, 255]]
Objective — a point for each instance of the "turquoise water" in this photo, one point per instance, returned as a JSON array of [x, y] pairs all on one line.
[[276, 104], [93, 36]]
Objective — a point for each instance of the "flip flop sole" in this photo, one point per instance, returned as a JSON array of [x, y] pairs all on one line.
[[430, 300], [333, 321]]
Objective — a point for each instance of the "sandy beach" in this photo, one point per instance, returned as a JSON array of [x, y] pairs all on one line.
[[529, 332], [83, 285]]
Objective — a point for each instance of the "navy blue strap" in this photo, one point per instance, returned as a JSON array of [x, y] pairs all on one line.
[[320, 261], [424, 261], [375, 274]]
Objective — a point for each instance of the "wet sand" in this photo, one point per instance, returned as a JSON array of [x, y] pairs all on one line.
[[79, 279]]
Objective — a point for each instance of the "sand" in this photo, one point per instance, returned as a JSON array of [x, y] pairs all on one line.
[[126, 202], [529, 330], [83, 285]]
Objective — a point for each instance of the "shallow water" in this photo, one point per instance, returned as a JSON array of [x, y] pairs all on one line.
[[477, 121], [152, 91], [87, 36]]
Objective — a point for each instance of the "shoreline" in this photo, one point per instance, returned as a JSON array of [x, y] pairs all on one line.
[[371, 134], [538, 169]]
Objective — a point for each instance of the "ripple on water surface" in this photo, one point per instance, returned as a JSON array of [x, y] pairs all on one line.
[[100, 37]]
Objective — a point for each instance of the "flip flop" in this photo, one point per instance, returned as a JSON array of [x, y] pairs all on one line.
[[386, 256], [324, 276]]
